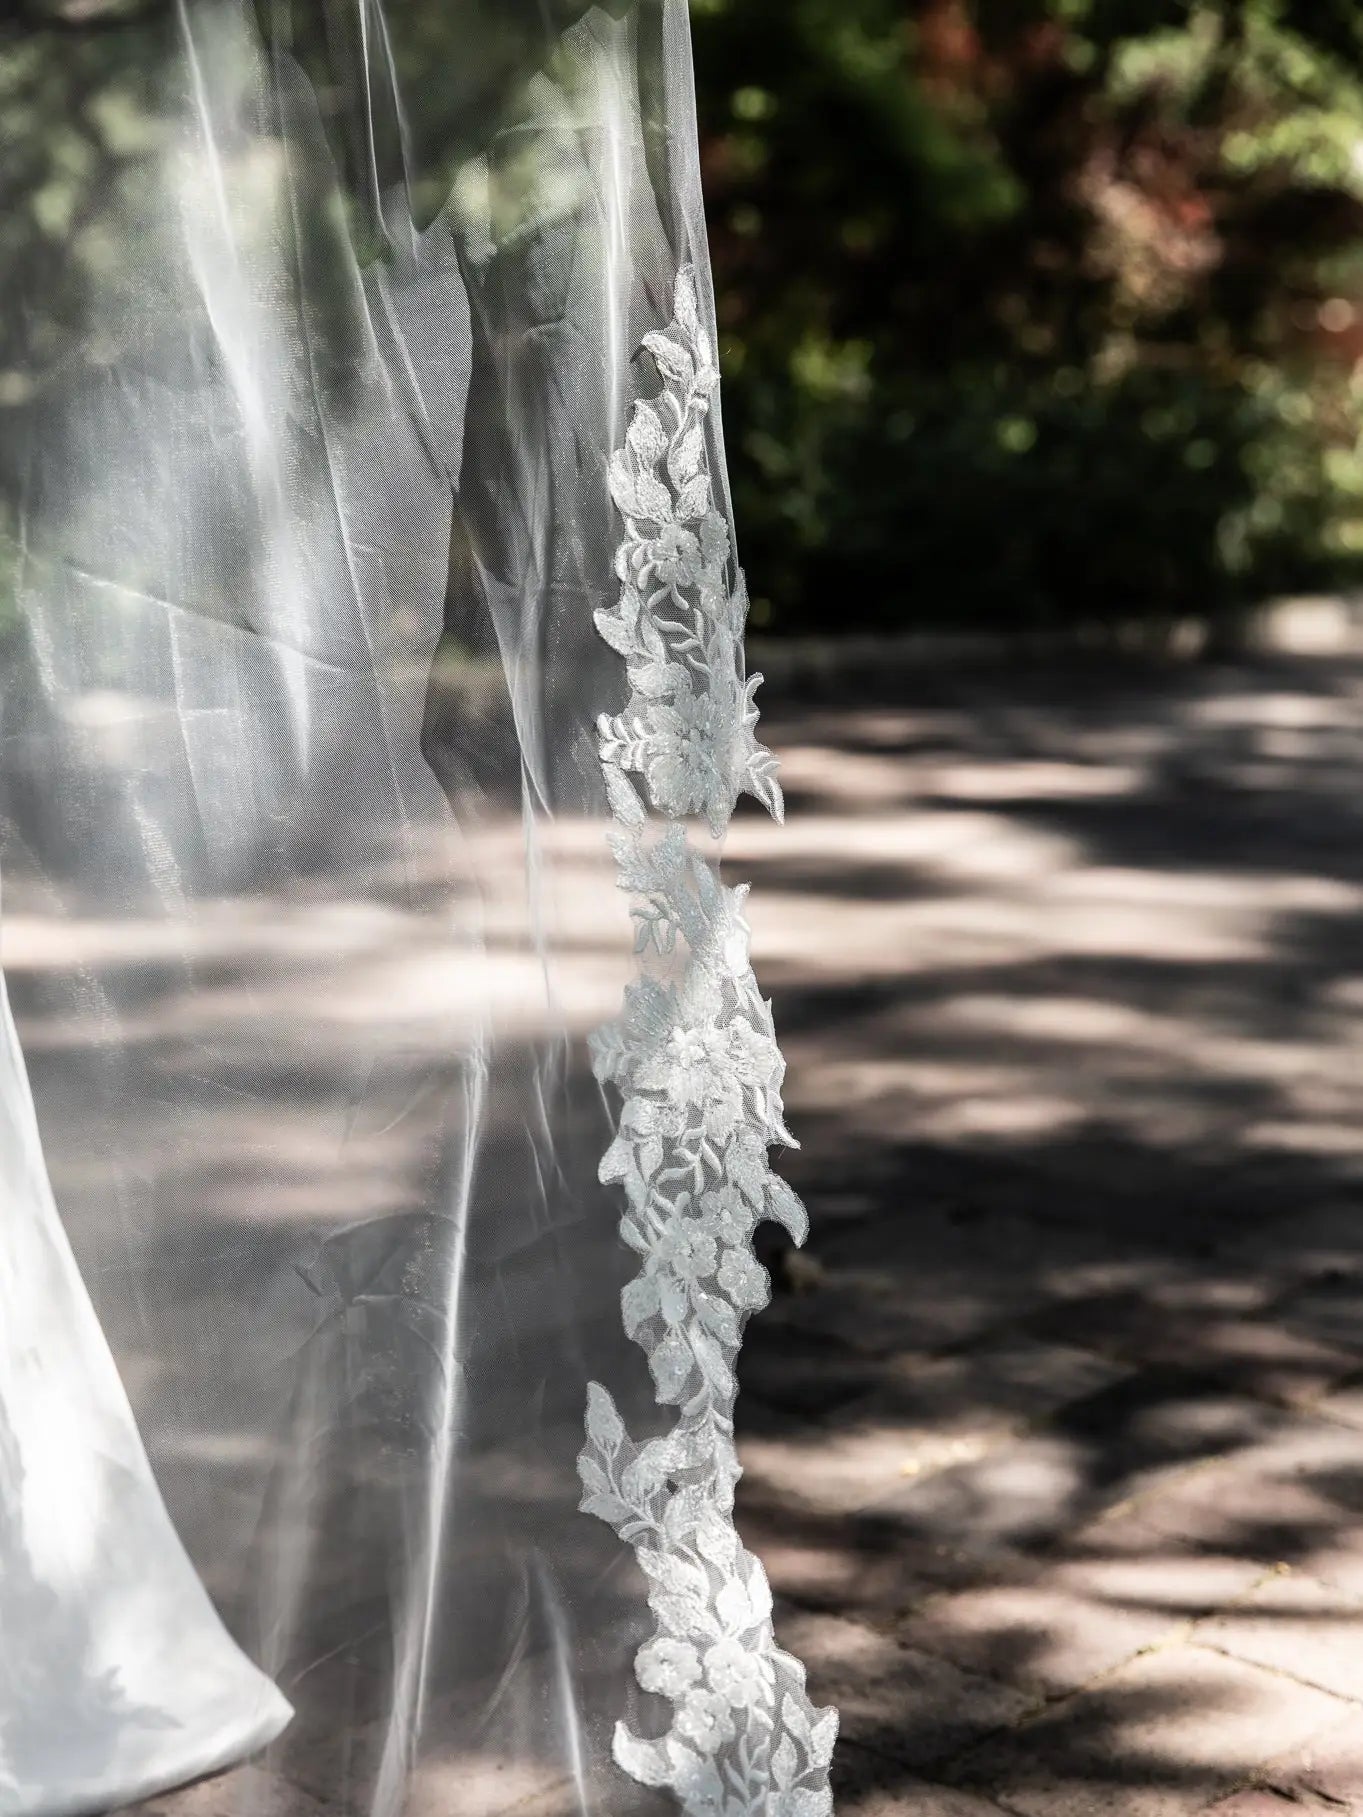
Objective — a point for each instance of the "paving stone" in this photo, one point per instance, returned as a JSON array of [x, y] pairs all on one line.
[[1039, 1637], [1217, 1288], [1256, 1802], [245, 1792], [1162, 1736], [1012, 1378], [1256, 1357], [896, 1701], [1115, 1323], [1122, 1531], [865, 1567], [1335, 1556], [925, 1415], [868, 1785], [1330, 1764], [614, 1796], [332, 1747], [855, 1466], [488, 1786], [1063, 1624], [1160, 1419], [1129, 1439], [925, 1279], [1286, 1498], [1297, 1626], [1330, 1311], [880, 1312], [801, 1370], [1322, 1454], [1026, 1491], [335, 1761], [1323, 1242], [1345, 1403], [1234, 1508]]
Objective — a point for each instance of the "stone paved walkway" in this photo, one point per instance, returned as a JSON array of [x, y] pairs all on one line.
[[1054, 1437], [1054, 1444]]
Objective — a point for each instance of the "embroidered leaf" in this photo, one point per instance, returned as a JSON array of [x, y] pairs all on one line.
[[608, 1508], [646, 1761], [719, 1317], [823, 1734], [683, 462], [795, 1720], [652, 499], [616, 633], [685, 304], [715, 545], [694, 1779], [615, 1162], [647, 438], [693, 501], [604, 1426], [759, 1591], [623, 488], [671, 1364], [785, 1207], [641, 1479], [783, 1764], [760, 782], [639, 1302], [624, 802], [716, 1538], [674, 362], [732, 1606], [711, 1359], [594, 1478], [674, 1300]]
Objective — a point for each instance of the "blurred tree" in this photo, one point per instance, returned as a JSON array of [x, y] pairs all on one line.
[[1037, 311]]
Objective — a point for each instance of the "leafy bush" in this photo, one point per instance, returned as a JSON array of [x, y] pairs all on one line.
[[1037, 311]]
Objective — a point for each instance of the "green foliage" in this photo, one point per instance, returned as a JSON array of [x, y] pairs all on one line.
[[1037, 311]]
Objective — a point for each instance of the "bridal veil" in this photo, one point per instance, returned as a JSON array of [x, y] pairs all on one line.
[[385, 1096]]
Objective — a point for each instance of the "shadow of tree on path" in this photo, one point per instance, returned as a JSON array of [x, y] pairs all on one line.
[[1054, 1451]]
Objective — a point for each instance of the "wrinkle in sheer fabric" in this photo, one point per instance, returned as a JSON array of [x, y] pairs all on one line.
[[320, 331]]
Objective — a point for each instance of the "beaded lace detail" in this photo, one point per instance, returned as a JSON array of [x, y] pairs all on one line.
[[694, 1059]]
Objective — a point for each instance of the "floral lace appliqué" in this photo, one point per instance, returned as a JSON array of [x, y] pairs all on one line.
[[695, 1062]]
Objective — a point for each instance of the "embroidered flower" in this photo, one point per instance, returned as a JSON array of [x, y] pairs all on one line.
[[645, 1117], [744, 1279], [667, 1667], [688, 1250], [704, 1719], [727, 1215], [689, 1059], [736, 1673], [680, 752], [674, 555]]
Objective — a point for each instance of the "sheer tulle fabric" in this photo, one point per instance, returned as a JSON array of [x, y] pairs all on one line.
[[320, 333]]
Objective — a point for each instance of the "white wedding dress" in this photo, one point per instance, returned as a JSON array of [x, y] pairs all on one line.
[[372, 638], [117, 1677]]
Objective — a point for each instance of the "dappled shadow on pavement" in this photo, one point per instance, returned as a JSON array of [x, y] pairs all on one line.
[[1053, 1441]]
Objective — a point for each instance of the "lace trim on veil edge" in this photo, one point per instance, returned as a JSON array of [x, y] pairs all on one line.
[[694, 1059]]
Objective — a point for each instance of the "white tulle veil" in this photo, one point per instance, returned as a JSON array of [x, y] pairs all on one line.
[[371, 698]]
